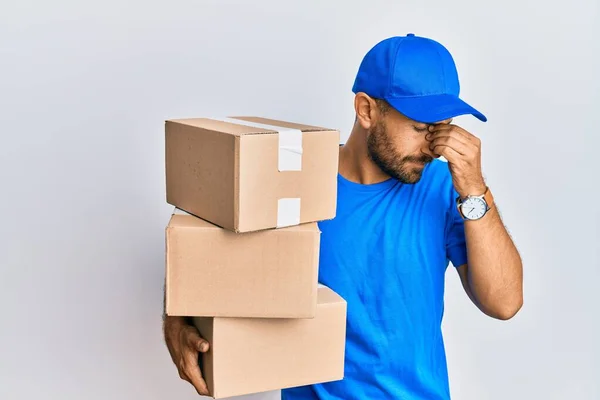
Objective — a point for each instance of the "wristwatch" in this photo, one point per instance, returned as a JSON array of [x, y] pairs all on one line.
[[475, 207]]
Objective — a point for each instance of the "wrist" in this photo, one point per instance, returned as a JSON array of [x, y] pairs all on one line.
[[473, 190], [475, 205]]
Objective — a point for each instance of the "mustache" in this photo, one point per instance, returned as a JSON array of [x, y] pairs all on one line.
[[425, 159]]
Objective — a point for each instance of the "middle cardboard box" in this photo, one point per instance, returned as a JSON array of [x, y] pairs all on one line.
[[214, 272]]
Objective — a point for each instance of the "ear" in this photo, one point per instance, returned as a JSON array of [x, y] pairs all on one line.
[[366, 110]]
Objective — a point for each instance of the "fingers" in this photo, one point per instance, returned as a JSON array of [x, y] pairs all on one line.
[[459, 141], [191, 368], [438, 143], [190, 344], [454, 130], [447, 152], [195, 341], [463, 152], [449, 134]]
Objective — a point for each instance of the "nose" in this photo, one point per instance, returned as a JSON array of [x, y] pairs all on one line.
[[425, 148]]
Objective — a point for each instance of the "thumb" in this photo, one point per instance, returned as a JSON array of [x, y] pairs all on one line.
[[196, 341], [202, 345], [199, 343]]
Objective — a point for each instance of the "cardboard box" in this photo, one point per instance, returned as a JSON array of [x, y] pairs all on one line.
[[211, 271], [247, 173], [250, 355]]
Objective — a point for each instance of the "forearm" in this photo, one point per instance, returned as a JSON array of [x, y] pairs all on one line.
[[495, 271]]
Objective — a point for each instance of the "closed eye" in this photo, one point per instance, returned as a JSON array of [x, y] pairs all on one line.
[[421, 128]]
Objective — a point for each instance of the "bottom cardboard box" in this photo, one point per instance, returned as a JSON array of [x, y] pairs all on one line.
[[254, 355]]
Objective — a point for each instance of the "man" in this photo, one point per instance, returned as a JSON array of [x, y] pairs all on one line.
[[402, 216]]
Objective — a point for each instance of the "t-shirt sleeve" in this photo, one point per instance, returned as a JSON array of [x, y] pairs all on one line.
[[456, 244]]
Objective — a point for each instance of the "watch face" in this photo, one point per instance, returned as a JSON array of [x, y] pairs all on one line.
[[473, 208]]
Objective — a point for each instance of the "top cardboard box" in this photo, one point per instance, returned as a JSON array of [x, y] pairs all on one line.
[[248, 173]]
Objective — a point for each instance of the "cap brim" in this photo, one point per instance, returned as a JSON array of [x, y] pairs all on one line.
[[432, 109]]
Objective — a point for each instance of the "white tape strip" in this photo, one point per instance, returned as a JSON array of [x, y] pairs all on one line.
[[288, 212], [290, 143]]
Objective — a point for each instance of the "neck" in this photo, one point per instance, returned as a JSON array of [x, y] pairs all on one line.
[[355, 164]]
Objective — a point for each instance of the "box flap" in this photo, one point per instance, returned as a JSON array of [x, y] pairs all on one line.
[[284, 124], [235, 125], [219, 126], [327, 296]]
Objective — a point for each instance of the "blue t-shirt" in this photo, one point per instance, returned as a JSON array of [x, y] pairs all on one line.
[[386, 253]]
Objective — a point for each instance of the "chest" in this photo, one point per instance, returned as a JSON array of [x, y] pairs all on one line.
[[392, 239]]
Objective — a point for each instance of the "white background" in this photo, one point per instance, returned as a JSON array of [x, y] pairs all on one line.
[[86, 86]]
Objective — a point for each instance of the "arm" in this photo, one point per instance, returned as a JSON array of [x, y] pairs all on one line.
[[493, 276]]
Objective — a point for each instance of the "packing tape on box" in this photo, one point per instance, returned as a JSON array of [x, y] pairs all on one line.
[[289, 159], [288, 212], [290, 143]]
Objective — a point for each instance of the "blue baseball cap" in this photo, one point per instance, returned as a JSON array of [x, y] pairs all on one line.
[[417, 76]]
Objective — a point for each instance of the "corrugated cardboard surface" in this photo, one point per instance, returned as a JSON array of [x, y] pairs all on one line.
[[201, 171], [227, 173], [256, 355], [215, 272]]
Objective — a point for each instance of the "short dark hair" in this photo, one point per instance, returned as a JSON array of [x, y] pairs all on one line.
[[383, 105]]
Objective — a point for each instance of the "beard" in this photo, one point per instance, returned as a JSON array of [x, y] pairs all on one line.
[[382, 152]]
